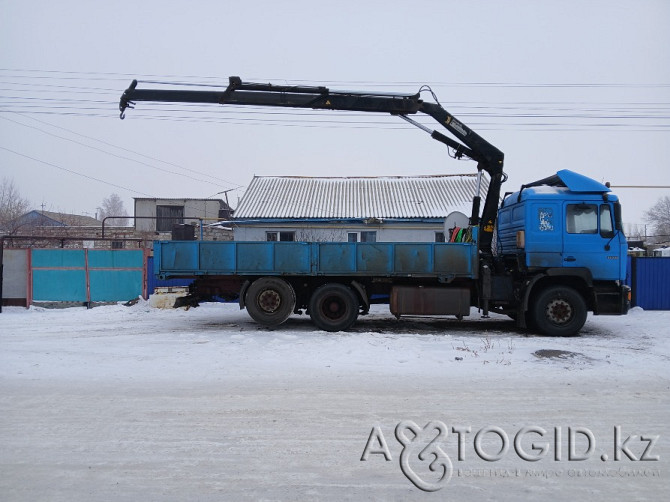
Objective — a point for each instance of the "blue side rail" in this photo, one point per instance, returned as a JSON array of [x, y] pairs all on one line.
[[444, 261]]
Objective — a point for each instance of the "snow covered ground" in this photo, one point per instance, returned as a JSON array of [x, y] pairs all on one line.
[[136, 403]]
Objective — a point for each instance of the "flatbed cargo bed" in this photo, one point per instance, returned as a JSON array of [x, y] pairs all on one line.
[[444, 261]]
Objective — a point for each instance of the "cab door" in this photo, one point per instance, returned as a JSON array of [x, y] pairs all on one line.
[[588, 239]]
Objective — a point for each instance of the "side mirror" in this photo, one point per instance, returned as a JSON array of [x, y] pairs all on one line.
[[618, 221]]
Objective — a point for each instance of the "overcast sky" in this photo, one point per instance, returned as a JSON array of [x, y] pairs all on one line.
[[576, 84]]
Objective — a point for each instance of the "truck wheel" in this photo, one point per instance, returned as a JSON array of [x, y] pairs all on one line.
[[333, 307], [270, 301], [559, 311]]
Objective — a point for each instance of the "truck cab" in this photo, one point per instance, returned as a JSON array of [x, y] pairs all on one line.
[[566, 230]]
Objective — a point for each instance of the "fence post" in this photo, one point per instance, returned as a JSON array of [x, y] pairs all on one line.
[[88, 279], [633, 281], [145, 274], [29, 278]]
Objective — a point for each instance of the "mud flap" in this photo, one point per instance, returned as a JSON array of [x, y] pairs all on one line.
[[243, 293], [365, 301]]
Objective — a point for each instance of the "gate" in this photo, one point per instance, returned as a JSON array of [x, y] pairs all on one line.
[[86, 275]]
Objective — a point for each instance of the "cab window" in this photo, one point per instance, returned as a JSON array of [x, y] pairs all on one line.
[[606, 227], [581, 219]]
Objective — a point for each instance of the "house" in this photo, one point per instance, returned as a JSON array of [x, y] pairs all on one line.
[[55, 229], [37, 218], [662, 251], [354, 209], [161, 215]]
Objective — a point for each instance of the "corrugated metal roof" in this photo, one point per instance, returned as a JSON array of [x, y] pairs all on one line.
[[352, 198]]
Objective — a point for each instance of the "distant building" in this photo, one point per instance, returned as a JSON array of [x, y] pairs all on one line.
[[662, 251], [55, 229], [37, 218], [354, 209], [51, 229], [162, 215]]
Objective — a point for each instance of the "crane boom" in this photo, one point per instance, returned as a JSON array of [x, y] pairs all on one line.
[[469, 144]]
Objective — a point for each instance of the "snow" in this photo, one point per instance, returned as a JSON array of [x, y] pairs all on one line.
[[138, 403], [546, 189]]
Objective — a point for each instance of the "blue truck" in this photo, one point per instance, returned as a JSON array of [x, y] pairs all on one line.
[[545, 256]]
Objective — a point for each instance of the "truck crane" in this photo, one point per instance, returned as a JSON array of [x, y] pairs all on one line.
[[532, 276]]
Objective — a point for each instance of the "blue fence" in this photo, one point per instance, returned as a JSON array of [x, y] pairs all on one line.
[[649, 279], [86, 275]]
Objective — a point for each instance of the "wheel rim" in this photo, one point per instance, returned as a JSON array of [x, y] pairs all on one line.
[[269, 300], [333, 307], [559, 311]]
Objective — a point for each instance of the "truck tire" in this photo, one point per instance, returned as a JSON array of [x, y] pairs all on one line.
[[270, 301], [558, 311], [333, 307]]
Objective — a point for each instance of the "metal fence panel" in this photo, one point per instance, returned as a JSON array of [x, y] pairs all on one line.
[[87, 275], [115, 275], [650, 278], [58, 275]]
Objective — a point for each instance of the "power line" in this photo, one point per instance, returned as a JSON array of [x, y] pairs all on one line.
[[344, 124], [72, 171], [639, 186], [654, 111], [627, 114], [584, 119], [105, 151], [123, 149], [493, 112], [79, 75]]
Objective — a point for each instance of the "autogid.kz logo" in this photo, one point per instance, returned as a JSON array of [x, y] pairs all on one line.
[[424, 445], [425, 462]]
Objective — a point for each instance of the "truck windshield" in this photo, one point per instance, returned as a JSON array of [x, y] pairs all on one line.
[[583, 219]]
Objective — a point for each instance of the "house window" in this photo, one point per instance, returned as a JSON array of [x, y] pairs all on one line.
[[368, 236], [168, 216], [439, 237], [364, 237], [118, 244], [280, 236]]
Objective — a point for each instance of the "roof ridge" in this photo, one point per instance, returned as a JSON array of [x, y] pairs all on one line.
[[369, 177]]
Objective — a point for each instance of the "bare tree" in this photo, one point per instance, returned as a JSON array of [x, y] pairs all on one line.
[[634, 231], [12, 206], [659, 217], [113, 206]]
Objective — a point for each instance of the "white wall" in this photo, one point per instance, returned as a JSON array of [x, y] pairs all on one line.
[[193, 209], [15, 273], [406, 232]]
